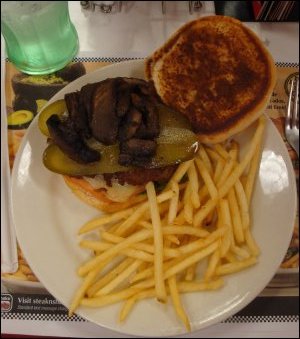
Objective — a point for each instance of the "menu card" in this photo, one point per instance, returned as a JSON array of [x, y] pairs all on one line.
[[23, 297]]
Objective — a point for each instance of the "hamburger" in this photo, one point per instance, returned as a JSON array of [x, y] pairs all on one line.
[[111, 138], [210, 80]]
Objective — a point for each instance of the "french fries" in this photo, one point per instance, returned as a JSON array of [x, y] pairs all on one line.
[[152, 250], [24, 271]]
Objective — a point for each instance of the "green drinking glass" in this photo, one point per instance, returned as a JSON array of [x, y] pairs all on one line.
[[39, 35]]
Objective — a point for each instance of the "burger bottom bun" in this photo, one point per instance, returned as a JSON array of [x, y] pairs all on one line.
[[98, 198]]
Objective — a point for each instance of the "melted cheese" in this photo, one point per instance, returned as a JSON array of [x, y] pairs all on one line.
[[115, 192]]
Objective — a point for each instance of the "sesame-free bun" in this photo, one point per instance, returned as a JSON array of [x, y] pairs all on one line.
[[217, 73]]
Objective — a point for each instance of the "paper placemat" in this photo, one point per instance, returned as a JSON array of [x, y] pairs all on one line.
[[26, 299]]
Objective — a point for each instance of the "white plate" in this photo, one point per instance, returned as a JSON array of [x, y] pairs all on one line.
[[47, 216]]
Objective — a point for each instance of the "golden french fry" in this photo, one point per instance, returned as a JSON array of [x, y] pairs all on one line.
[[290, 262], [177, 302], [190, 230], [180, 219], [252, 173], [251, 243], [229, 164], [235, 266], [138, 254], [234, 151], [226, 221], [194, 186], [188, 212], [130, 222], [207, 178], [146, 224], [243, 179], [243, 203], [129, 303], [221, 151], [22, 262], [127, 307], [160, 287], [197, 286], [236, 217], [143, 266], [119, 278], [92, 290], [109, 299], [105, 219], [204, 211], [25, 269], [191, 272], [230, 257], [146, 273], [173, 239], [17, 275], [218, 170], [212, 265], [32, 277], [214, 156], [95, 245], [88, 280], [240, 252], [180, 172], [173, 208], [188, 206], [205, 158]]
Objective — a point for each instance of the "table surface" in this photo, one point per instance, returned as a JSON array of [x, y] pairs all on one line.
[[141, 27], [135, 33]]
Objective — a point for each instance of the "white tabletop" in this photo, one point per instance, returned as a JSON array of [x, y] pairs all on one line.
[[141, 27]]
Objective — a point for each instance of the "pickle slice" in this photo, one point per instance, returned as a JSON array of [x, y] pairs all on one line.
[[174, 146], [57, 161], [58, 107], [171, 118], [176, 143]]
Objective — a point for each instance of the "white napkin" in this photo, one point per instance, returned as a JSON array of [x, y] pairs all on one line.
[[9, 256]]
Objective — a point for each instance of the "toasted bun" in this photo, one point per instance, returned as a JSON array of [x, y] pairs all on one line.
[[215, 71], [99, 198]]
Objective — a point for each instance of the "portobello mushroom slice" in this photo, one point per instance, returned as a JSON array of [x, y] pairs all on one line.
[[77, 113], [69, 140], [105, 123]]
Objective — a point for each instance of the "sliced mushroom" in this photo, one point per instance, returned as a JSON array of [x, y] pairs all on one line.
[[64, 135]]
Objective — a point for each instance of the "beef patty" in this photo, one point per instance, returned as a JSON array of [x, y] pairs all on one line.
[[141, 176]]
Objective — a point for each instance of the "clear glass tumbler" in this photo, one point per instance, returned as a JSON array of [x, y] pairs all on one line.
[[39, 35]]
